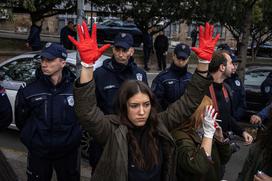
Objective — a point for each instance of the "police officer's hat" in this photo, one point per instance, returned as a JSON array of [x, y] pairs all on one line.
[[52, 51]]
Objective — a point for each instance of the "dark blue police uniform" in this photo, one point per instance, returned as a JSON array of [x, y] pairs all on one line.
[[49, 128], [266, 87], [110, 76], [238, 96], [170, 84], [5, 109]]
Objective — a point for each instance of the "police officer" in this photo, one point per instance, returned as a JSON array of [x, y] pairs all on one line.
[[236, 86], [170, 84], [110, 76], [5, 109], [45, 116]]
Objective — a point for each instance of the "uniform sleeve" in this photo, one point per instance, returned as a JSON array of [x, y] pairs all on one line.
[[186, 105], [22, 109], [159, 90], [5, 110], [264, 113], [191, 158]]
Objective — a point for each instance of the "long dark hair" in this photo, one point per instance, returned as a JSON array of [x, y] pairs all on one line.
[[265, 140], [126, 91]]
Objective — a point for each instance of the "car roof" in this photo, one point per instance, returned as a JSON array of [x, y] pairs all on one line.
[[71, 58], [256, 67]]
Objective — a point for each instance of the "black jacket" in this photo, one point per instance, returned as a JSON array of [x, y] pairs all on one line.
[[225, 112], [110, 76], [34, 39], [5, 109], [238, 97], [161, 43], [45, 115]]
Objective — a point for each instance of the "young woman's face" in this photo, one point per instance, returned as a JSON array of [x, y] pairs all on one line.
[[138, 109]]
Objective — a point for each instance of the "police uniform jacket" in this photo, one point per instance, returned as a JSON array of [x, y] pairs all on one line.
[[170, 84], [46, 118], [238, 96], [110, 76]]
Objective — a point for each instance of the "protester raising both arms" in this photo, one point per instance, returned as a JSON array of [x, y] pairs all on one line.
[[137, 142]]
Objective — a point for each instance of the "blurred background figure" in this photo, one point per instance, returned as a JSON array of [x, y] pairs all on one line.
[[194, 37], [65, 31], [34, 39], [161, 47], [147, 48]]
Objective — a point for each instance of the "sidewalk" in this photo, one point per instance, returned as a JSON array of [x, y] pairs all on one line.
[[18, 161]]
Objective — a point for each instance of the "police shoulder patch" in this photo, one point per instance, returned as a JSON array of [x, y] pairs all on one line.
[[237, 83], [70, 100], [139, 76]]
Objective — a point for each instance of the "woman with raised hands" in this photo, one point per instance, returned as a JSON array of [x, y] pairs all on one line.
[[137, 140]]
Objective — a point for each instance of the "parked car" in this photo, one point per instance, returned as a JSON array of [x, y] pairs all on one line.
[[107, 30], [265, 50], [254, 76], [20, 70]]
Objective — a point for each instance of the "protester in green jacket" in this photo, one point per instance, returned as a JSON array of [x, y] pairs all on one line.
[[137, 143], [199, 156], [258, 164]]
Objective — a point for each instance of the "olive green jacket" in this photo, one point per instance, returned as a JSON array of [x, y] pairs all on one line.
[[108, 131], [255, 162], [192, 161]]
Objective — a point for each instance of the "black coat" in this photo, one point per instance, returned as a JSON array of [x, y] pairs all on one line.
[[45, 115], [110, 76]]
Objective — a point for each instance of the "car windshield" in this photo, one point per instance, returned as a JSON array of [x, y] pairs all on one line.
[[255, 78], [20, 70]]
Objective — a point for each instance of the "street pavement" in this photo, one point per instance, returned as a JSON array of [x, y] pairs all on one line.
[[16, 155]]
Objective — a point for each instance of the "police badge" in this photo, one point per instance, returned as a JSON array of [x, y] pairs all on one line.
[[139, 76], [70, 100]]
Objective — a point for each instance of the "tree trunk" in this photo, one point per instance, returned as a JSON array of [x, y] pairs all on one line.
[[244, 43]]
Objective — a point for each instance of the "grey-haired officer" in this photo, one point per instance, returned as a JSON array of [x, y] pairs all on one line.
[[46, 119], [237, 87], [170, 84]]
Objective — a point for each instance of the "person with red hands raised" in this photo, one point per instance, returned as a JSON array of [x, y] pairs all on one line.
[[136, 139], [117, 69]]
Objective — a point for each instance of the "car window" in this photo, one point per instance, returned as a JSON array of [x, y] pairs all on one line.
[[255, 78], [20, 70]]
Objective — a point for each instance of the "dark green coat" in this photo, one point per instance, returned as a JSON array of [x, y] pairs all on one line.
[[193, 163], [108, 131], [255, 162]]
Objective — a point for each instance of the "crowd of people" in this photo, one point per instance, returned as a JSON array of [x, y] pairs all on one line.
[[176, 130]]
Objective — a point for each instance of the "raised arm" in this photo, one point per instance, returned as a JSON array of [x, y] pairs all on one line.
[[198, 86], [89, 115]]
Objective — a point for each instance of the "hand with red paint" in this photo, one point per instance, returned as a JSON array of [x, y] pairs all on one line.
[[206, 43], [208, 123], [87, 46]]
